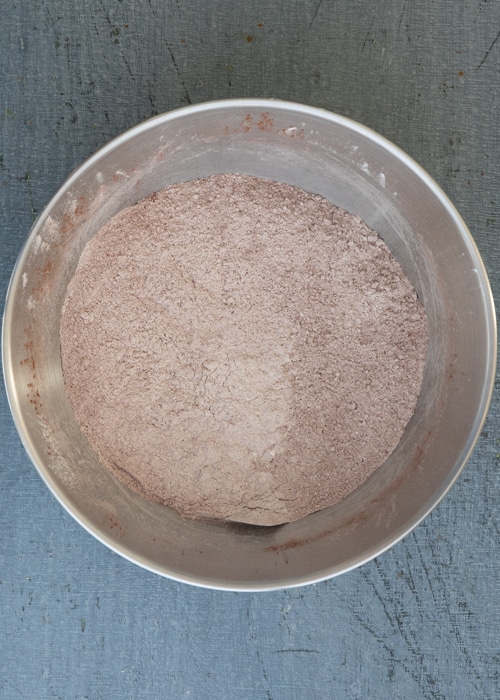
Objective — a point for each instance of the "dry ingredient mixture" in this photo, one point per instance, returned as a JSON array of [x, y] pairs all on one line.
[[240, 349]]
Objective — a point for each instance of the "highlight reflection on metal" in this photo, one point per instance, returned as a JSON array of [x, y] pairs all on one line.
[[356, 169]]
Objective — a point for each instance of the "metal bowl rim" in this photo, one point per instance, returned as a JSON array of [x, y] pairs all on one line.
[[307, 111]]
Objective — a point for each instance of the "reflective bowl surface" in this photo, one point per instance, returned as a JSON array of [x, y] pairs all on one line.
[[355, 169]]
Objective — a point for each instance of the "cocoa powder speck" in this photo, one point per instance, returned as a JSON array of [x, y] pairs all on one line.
[[240, 349]]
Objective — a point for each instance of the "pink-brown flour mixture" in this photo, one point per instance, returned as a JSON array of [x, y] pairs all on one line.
[[240, 349]]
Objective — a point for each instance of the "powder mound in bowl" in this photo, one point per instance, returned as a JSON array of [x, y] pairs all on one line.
[[240, 349]]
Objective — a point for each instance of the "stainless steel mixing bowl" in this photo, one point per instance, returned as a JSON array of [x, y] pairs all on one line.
[[354, 168]]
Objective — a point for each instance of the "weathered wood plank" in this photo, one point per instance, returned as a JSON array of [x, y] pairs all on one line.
[[420, 622]]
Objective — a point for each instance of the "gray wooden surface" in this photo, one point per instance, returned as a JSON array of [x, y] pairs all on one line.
[[423, 620]]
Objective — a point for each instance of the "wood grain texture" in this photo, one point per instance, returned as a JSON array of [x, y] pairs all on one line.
[[421, 621]]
